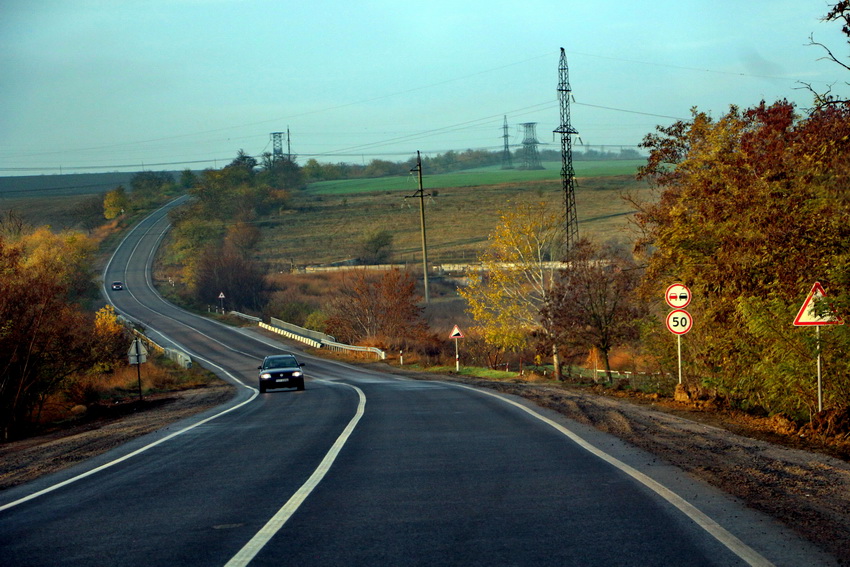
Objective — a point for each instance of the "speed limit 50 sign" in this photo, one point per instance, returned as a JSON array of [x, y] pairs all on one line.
[[679, 321]]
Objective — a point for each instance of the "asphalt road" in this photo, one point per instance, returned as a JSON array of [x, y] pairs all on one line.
[[366, 468]]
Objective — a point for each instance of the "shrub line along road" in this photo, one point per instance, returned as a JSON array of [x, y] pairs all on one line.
[[366, 468]]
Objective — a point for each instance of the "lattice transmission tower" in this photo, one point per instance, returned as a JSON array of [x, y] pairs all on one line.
[[277, 146], [530, 155], [507, 160], [568, 175]]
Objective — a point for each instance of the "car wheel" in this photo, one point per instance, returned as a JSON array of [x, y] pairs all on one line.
[[301, 384], [262, 388]]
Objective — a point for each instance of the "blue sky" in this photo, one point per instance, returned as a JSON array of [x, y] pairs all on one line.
[[97, 85]]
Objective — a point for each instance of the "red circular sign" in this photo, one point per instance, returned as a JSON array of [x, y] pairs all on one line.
[[677, 296], [679, 321]]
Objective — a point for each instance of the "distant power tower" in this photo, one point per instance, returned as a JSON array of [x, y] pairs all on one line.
[[277, 146], [507, 161], [530, 156], [568, 175]]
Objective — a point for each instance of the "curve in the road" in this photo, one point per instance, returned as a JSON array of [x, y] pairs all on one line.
[[261, 538]]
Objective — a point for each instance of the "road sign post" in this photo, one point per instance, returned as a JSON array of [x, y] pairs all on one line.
[[810, 315], [456, 334], [221, 299], [679, 321], [138, 354]]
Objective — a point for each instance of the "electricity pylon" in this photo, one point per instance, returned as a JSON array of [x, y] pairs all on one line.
[[568, 175]]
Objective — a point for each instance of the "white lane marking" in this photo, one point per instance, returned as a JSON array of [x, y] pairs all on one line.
[[253, 547], [735, 545], [139, 451], [153, 290], [175, 202]]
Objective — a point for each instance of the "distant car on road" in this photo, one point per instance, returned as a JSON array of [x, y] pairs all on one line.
[[117, 285], [281, 371]]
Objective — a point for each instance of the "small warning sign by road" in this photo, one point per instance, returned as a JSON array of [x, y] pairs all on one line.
[[456, 333], [809, 313], [137, 354]]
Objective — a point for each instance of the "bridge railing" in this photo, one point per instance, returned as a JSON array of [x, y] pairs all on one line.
[[316, 339]]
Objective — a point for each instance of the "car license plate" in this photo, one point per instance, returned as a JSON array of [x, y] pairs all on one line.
[[282, 380]]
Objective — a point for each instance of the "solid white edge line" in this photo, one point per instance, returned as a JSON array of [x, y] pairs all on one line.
[[128, 456], [262, 537], [735, 545]]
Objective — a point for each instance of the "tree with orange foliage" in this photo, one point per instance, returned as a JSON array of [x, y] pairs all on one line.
[[593, 300], [44, 336], [752, 209], [381, 309]]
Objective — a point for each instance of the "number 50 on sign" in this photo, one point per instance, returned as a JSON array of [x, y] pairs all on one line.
[[679, 321]]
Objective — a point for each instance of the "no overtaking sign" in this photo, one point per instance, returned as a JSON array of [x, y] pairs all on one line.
[[678, 296]]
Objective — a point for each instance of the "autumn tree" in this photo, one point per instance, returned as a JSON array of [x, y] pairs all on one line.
[[44, 335], [281, 173], [593, 303], [235, 192], [115, 203], [382, 309], [212, 239], [109, 339], [752, 208], [518, 272], [66, 256], [219, 194]]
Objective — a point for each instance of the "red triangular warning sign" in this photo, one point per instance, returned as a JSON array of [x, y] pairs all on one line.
[[808, 314], [456, 334]]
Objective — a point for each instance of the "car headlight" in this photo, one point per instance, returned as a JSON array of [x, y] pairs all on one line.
[[297, 373], [265, 375]]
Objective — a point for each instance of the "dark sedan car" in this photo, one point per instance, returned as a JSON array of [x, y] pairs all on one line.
[[117, 285], [281, 371]]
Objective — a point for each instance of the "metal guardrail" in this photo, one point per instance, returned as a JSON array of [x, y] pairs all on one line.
[[321, 343], [289, 334], [315, 335], [244, 316], [339, 347], [309, 337]]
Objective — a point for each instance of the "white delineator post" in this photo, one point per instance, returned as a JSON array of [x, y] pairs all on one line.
[[456, 334]]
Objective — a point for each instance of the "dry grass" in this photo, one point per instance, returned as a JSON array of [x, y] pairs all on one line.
[[83, 392], [332, 228]]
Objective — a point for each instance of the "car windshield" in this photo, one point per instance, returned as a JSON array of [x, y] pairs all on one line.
[[280, 362]]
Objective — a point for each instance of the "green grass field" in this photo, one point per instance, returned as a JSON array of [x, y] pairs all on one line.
[[493, 175]]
